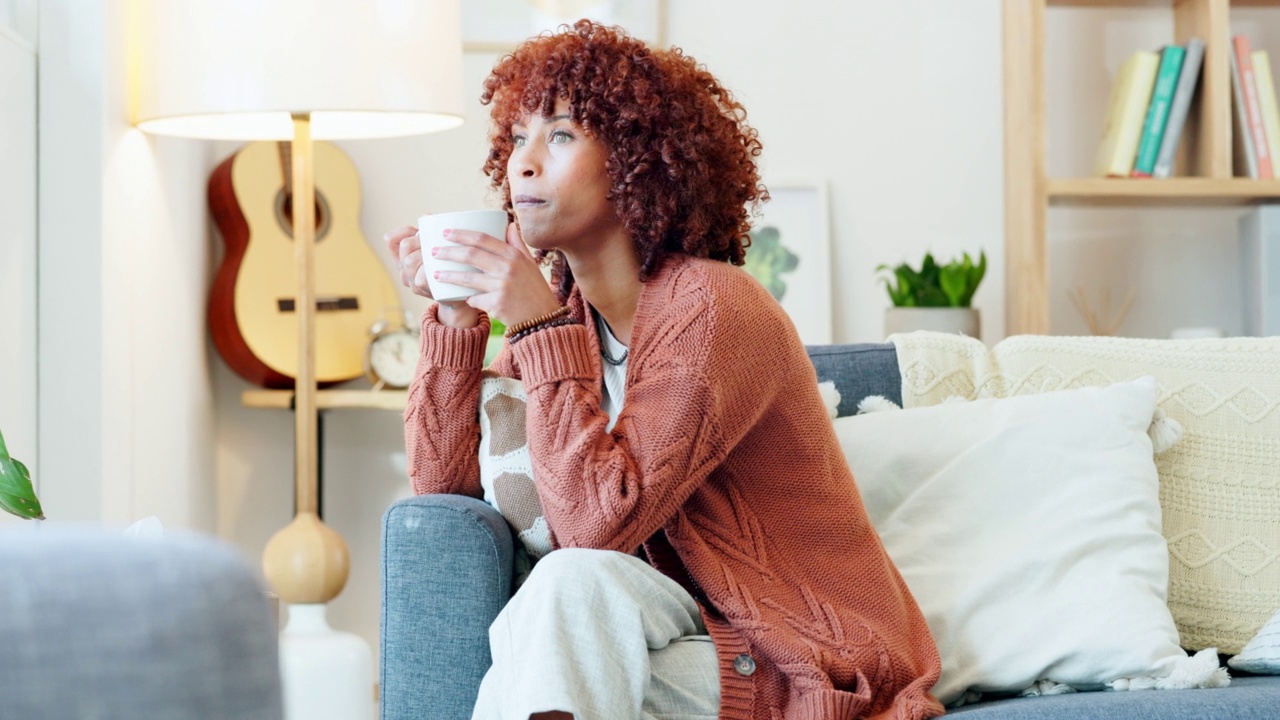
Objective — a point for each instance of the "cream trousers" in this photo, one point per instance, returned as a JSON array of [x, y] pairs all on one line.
[[604, 636]]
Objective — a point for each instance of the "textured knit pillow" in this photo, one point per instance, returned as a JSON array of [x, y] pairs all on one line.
[[1219, 486], [506, 472], [1028, 531], [1262, 654]]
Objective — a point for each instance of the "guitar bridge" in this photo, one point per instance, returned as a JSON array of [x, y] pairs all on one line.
[[286, 305]]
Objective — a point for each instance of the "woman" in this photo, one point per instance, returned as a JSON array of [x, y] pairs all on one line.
[[715, 560]]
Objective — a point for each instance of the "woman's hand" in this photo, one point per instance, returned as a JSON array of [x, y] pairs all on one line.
[[511, 286], [406, 250]]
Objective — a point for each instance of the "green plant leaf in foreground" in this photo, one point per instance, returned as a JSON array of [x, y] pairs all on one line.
[[16, 494]]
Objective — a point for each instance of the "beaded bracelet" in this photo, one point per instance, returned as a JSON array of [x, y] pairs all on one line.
[[534, 322], [560, 322]]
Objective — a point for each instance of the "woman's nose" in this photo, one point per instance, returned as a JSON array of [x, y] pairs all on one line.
[[524, 163]]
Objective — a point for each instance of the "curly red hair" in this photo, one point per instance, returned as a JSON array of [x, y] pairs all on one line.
[[681, 155]]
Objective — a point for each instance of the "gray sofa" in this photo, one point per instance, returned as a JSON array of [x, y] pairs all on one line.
[[95, 626], [447, 567]]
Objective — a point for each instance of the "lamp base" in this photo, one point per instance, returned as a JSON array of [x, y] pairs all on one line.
[[307, 561], [326, 674]]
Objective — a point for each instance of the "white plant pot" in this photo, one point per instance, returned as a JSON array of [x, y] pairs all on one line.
[[965, 321]]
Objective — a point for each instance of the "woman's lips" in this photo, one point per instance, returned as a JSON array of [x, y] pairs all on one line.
[[527, 201]]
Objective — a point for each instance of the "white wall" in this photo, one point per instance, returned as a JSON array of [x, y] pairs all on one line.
[[896, 105], [125, 401], [18, 250]]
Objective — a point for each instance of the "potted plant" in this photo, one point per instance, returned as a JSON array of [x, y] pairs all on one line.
[[16, 494], [936, 297]]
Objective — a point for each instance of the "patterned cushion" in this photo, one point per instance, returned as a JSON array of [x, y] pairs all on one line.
[[506, 472], [1219, 486]]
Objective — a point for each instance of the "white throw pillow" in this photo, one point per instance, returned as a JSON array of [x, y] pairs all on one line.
[[1262, 654], [1028, 530]]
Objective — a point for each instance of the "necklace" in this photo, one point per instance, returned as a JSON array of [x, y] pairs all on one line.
[[602, 330]]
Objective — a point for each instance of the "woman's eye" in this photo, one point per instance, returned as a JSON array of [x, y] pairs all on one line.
[[561, 136], [518, 141]]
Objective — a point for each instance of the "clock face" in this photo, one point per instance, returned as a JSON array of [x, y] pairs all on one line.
[[393, 358]]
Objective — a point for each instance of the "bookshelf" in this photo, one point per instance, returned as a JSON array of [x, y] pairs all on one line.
[[1203, 171]]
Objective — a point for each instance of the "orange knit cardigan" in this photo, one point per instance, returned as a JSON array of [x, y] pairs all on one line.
[[725, 446]]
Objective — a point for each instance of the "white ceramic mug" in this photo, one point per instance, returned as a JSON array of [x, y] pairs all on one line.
[[430, 227]]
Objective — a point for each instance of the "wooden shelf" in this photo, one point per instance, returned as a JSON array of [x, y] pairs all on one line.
[[1171, 191], [329, 399], [1205, 166]]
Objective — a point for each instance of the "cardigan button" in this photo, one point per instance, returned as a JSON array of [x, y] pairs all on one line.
[[744, 665]]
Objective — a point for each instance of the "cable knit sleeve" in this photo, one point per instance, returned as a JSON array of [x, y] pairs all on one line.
[[441, 427], [682, 416]]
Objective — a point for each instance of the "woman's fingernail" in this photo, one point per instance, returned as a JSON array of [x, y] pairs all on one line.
[[435, 251], [436, 274], [446, 233]]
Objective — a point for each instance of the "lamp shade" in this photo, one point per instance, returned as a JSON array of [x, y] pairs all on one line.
[[238, 69]]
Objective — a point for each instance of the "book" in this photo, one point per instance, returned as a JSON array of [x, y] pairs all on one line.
[[1188, 80], [1153, 126], [1245, 84], [1126, 110], [1267, 100], [1246, 161], [1260, 266]]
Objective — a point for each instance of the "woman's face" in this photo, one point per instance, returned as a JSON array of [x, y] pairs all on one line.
[[559, 186]]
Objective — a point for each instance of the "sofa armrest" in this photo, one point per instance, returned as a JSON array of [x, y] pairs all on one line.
[[446, 573]]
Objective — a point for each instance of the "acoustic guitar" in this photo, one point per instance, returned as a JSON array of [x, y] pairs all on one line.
[[251, 307]]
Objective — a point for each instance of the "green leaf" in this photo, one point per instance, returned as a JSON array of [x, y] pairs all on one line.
[[954, 279], [929, 267], [17, 496], [896, 291], [908, 283], [932, 297], [975, 278]]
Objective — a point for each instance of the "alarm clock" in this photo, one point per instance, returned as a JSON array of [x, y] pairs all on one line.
[[392, 355]]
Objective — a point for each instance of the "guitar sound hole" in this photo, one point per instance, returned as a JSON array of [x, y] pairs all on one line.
[[284, 213]]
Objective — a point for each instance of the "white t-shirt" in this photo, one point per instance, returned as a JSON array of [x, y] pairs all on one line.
[[615, 376]]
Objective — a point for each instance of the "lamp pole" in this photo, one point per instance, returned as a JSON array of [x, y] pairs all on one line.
[[306, 562], [304, 237]]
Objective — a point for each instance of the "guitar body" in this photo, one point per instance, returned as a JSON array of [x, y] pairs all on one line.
[[251, 307]]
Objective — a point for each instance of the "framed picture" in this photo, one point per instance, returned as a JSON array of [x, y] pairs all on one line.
[[497, 26], [790, 255]]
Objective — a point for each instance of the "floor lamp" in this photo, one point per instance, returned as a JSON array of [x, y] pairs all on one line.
[[299, 70]]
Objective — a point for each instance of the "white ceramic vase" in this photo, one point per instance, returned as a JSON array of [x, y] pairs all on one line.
[[965, 321], [326, 674]]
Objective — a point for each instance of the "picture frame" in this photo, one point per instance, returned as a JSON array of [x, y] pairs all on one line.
[[790, 255], [498, 26]]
